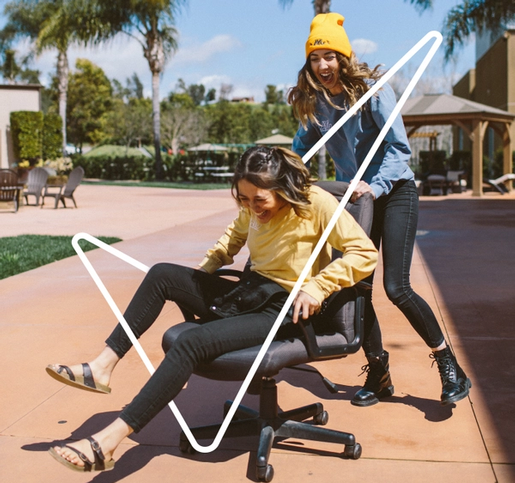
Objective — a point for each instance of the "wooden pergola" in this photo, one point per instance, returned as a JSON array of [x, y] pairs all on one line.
[[473, 118]]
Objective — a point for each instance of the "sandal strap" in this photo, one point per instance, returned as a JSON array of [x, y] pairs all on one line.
[[88, 464], [68, 371], [88, 376], [97, 453]]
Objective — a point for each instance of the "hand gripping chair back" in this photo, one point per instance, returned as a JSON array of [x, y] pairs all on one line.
[[336, 332]]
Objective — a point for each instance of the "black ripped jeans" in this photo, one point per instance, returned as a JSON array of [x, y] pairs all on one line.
[[194, 291], [395, 227]]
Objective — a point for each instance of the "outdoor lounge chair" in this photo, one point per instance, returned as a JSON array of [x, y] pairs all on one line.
[[498, 183], [9, 187], [60, 193], [333, 334], [36, 182]]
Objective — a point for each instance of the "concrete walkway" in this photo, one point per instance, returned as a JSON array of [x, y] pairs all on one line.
[[463, 266]]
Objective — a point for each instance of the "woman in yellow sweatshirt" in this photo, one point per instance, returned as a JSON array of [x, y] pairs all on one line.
[[281, 218]]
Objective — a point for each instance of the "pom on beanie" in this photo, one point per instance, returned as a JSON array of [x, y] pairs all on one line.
[[327, 32]]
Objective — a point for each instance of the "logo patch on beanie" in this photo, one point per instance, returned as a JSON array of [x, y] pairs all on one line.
[[320, 42]]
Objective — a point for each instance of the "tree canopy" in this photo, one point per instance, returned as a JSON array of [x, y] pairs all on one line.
[[471, 16]]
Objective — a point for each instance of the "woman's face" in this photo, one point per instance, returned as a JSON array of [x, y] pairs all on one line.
[[263, 203], [324, 65]]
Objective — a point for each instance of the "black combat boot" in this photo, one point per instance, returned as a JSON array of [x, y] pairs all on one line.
[[455, 383], [378, 384]]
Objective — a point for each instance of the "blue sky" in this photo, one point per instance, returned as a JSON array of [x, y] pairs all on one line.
[[249, 44]]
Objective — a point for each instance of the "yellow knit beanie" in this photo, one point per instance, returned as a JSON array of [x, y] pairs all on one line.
[[327, 32]]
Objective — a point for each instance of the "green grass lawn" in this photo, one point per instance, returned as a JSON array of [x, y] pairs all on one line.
[[25, 252], [162, 184]]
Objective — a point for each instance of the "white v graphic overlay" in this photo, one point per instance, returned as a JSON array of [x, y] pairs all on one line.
[[243, 389]]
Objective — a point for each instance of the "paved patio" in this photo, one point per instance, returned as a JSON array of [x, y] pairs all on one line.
[[464, 267]]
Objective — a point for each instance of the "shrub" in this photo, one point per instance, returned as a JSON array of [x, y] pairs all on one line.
[[27, 134], [52, 136], [116, 167]]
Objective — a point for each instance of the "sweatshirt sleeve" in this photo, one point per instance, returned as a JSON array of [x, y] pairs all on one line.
[[305, 139], [359, 257], [229, 245]]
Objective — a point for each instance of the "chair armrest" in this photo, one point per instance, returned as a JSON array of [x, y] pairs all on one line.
[[317, 353]]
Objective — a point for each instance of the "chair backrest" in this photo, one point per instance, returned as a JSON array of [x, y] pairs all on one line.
[[342, 312], [74, 180], [36, 180], [8, 179]]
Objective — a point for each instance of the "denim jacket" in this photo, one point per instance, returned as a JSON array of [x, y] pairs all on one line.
[[251, 294], [350, 145]]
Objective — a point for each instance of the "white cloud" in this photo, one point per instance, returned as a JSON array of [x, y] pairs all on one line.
[[364, 46], [202, 52], [215, 81]]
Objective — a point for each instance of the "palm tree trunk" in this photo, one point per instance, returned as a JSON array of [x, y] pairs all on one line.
[[322, 168], [62, 76], [322, 6], [156, 125]]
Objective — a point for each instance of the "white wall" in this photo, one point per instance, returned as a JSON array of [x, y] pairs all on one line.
[[14, 98]]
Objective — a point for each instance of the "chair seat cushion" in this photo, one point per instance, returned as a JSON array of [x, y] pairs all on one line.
[[235, 365]]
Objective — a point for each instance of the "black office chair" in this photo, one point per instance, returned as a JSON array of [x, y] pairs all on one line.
[[336, 332]]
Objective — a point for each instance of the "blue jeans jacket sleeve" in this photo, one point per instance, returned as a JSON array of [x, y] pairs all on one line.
[[395, 149]]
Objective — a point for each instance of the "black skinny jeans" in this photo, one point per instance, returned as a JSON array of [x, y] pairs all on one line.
[[395, 227], [193, 290]]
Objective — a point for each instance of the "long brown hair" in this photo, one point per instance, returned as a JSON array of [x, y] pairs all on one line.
[[275, 169], [353, 77]]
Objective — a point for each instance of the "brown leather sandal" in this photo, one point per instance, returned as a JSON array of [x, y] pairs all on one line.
[[100, 464], [65, 375]]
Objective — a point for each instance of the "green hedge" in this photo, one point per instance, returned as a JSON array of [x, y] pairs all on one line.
[[36, 136], [116, 167], [52, 136], [27, 135]]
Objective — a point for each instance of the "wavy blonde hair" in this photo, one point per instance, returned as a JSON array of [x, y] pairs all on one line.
[[353, 77], [276, 169]]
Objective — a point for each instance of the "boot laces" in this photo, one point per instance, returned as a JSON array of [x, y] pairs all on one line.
[[445, 366], [373, 377]]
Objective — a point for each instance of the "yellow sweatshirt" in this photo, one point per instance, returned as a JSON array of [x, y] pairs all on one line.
[[280, 248]]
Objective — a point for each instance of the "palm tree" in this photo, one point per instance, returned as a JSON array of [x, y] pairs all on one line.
[[45, 22], [150, 23], [320, 6], [471, 16]]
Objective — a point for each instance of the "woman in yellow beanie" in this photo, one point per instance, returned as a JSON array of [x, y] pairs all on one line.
[[331, 81]]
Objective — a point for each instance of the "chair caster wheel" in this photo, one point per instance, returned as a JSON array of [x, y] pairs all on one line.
[[265, 473], [321, 419], [353, 452], [185, 447]]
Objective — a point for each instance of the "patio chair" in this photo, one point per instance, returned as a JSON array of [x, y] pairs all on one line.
[[498, 184], [436, 184], [333, 334], [65, 191], [36, 182], [9, 187], [457, 181]]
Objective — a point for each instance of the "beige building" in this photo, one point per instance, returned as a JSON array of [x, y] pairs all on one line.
[[14, 98], [492, 82]]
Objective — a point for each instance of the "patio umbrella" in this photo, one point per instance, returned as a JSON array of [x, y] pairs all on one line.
[[208, 148], [275, 140]]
